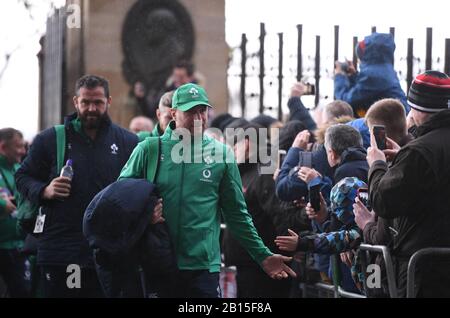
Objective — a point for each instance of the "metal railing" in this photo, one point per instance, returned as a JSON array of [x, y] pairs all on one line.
[[338, 292], [410, 283], [390, 273], [264, 68]]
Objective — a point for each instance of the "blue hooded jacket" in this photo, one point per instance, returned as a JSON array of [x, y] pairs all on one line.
[[377, 78]]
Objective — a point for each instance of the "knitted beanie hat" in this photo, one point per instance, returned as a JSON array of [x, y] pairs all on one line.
[[430, 92]]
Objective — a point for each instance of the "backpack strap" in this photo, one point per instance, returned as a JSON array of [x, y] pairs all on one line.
[[60, 146], [153, 162]]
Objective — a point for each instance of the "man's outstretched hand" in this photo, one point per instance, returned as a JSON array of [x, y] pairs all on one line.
[[276, 268]]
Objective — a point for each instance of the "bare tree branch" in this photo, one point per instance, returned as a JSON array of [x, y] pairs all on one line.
[[29, 6]]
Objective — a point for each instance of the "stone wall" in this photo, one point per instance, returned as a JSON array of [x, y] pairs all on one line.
[[96, 48]]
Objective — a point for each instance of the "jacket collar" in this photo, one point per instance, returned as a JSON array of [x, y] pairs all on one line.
[[353, 154], [5, 163], [75, 122], [157, 131], [438, 120]]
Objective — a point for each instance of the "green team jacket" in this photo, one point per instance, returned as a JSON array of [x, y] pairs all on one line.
[[9, 238], [194, 195], [145, 134]]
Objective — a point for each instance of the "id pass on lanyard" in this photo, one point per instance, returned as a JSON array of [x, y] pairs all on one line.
[[40, 221]]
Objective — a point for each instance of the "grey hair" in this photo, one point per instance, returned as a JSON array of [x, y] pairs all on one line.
[[341, 137], [166, 100]]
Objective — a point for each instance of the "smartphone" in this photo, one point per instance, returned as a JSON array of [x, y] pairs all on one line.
[[310, 89], [363, 196], [314, 197], [281, 157], [305, 159], [379, 132]]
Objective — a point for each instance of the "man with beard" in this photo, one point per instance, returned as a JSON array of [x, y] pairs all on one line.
[[98, 150]]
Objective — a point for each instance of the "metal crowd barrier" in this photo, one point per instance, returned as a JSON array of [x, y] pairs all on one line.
[[334, 289], [390, 273], [338, 292], [410, 282]]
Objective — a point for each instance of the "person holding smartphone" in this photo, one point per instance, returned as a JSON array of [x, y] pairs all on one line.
[[343, 235], [413, 191]]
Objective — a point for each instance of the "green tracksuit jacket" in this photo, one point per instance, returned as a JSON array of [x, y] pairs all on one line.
[[145, 134], [9, 238], [194, 195]]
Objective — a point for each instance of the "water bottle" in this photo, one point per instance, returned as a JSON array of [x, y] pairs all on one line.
[[67, 170]]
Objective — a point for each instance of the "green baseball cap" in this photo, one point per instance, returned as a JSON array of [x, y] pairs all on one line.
[[188, 96]]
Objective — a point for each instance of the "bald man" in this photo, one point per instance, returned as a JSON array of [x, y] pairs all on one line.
[[141, 123]]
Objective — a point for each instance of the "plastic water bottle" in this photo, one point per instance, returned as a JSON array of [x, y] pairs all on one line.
[[67, 170]]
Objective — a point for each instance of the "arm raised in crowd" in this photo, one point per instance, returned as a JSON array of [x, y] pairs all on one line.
[[355, 91], [288, 186], [397, 190], [297, 110]]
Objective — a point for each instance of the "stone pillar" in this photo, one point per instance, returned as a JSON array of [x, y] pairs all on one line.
[[211, 52], [96, 48]]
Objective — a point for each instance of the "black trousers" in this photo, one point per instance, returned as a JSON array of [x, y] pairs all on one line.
[[14, 271], [55, 283]]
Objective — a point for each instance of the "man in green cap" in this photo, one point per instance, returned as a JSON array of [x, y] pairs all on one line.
[[198, 182]]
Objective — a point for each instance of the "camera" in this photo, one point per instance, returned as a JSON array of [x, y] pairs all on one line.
[[344, 66], [310, 89]]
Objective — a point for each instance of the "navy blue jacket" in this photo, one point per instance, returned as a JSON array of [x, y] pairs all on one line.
[[96, 164], [289, 187], [377, 78], [298, 111], [353, 164], [117, 226]]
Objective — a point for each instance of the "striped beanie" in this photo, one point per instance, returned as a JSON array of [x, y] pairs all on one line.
[[430, 92]]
